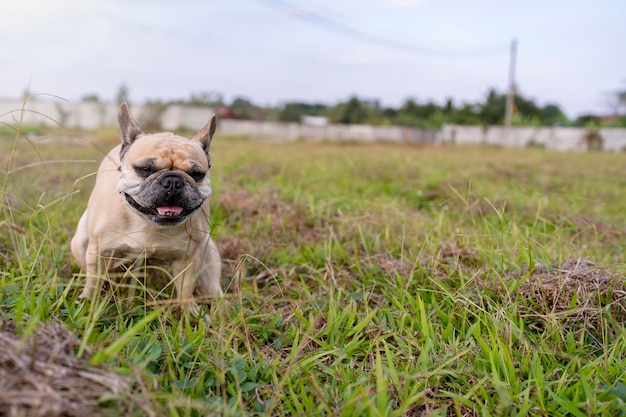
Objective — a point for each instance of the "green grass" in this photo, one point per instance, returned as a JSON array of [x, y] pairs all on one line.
[[361, 280]]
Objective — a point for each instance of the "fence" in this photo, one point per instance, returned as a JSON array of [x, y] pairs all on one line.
[[557, 138], [92, 115]]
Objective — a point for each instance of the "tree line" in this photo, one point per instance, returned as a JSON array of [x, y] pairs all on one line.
[[413, 112]]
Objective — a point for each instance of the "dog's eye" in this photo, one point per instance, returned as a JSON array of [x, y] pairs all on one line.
[[143, 172], [197, 175]]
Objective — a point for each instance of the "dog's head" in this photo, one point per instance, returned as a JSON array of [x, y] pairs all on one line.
[[163, 177]]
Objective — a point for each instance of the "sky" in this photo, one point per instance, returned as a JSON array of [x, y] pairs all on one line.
[[570, 52]]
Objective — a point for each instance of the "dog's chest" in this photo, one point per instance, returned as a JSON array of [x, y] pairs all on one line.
[[156, 250]]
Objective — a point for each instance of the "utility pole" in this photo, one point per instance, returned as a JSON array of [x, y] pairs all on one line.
[[508, 113]]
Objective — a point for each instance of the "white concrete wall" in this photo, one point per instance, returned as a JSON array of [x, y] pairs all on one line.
[[194, 118], [462, 135], [557, 138], [91, 115], [336, 132], [614, 139]]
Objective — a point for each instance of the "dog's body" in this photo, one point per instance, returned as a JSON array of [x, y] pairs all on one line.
[[149, 203]]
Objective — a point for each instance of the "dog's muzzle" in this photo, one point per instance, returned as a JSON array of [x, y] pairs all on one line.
[[169, 208]]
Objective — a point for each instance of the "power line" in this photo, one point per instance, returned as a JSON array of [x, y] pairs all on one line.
[[334, 25]]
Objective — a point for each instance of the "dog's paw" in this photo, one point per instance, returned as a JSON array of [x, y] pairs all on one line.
[[195, 313], [202, 315], [85, 294], [81, 305]]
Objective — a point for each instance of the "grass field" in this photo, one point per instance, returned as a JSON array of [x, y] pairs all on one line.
[[361, 280]]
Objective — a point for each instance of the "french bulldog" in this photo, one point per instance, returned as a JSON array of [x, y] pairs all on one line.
[[149, 204]]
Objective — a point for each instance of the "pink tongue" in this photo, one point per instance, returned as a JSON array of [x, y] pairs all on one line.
[[168, 209]]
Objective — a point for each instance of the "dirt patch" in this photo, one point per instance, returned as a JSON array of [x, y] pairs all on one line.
[[458, 196], [586, 227], [265, 220], [40, 375], [231, 247], [445, 190], [578, 292], [261, 222], [260, 172], [450, 260], [279, 213], [453, 254], [481, 207], [391, 266]]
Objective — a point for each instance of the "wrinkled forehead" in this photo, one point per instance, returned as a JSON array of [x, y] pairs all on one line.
[[167, 151]]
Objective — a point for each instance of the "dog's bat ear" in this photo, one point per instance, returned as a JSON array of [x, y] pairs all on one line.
[[128, 127], [204, 136]]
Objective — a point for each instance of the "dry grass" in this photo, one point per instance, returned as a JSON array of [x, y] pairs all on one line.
[[41, 375], [575, 293]]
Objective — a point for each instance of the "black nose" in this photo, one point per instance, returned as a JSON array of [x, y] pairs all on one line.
[[172, 183]]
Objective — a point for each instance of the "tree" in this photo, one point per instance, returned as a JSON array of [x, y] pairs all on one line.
[[616, 101], [590, 120], [621, 96], [526, 108], [448, 109], [621, 110], [242, 107], [492, 110], [389, 114], [468, 114], [63, 114], [122, 94], [90, 98], [551, 115], [352, 111], [526, 111], [412, 113], [290, 112], [152, 114], [207, 99]]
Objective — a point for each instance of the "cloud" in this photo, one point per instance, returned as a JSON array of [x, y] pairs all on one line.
[[405, 4], [362, 6], [28, 16]]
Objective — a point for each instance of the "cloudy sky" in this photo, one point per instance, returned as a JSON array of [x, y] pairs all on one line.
[[570, 52]]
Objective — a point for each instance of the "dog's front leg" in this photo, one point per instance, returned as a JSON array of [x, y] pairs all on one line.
[[184, 280], [80, 241], [91, 271], [209, 278]]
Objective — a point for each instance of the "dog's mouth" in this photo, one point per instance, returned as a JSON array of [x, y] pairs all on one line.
[[169, 211], [165, 215]]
